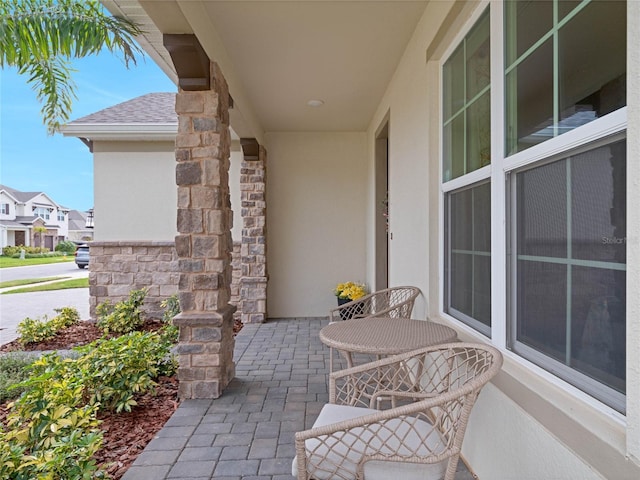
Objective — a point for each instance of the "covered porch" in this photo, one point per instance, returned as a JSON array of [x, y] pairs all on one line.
[[279, 388]]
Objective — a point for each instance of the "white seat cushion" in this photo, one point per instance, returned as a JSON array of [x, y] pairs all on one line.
[[373, 470]]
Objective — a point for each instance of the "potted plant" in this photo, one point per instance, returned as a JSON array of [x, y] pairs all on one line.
[[348, 292]]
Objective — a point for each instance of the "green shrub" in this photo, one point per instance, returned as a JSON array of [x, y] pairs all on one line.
[[171, 308], [13, 370], [114, 370], [66, 246], [50, 432], [124, 316], [11, 251], [29, 251], [36, 330], [46, 254], [52, 429]]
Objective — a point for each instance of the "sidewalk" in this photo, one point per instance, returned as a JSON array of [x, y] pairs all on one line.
[[16, 307], [248, 433]]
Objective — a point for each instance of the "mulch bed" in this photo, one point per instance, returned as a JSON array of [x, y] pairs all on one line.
[[125, 434]]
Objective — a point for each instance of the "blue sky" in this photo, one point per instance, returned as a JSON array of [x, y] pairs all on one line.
[[31, 160]]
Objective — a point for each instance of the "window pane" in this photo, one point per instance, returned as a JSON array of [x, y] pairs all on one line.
[[468, 255], [453, 146], [529, 90], [550, 92], [462, 282], [462, 220], [570, 273], [526, 23], [542, 307], [566, 6], [592, 62], [598, 324], [482, 289], [598, 180], [479, 133], [542, 211], [478, 57], [466, 79], [453, 83]]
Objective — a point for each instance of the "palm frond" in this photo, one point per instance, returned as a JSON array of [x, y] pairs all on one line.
[[40, 37]]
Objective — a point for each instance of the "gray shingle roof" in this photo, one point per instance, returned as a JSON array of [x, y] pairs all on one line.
[[148, 109], [18, 195]]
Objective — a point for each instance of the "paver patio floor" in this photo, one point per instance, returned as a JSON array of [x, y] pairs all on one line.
[[248, 433]]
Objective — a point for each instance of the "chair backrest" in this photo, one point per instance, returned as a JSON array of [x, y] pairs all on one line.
[[431, 392], [453, 368], [394, 302]]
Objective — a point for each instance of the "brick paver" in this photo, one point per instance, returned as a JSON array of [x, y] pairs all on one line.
[[248, 433]]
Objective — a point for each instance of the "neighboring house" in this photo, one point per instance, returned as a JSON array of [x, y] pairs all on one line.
[[21, 212], [501, 133], [80, 226]]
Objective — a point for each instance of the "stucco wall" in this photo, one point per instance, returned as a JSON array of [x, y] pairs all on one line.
[[530, 425], [134, 181], [316, 200]]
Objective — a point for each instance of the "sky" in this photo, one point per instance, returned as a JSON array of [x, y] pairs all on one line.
[[62, 167]]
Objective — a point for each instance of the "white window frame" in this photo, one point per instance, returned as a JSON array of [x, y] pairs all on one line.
[[480, 175], [498, 172], [5, 209]]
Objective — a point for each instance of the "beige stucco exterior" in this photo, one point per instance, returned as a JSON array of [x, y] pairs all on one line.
[[135, 191], [316, 199]]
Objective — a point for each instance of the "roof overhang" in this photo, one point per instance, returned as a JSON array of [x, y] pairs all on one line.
[[276, 56], [122, 132]]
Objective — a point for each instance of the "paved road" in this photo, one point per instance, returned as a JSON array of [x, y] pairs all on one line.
[[16, 307], [64, 269]]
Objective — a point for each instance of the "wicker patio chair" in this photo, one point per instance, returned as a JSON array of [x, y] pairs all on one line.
[[433, 390], [394, 302]]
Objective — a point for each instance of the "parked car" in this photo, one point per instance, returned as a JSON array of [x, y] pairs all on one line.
[[82, 256]]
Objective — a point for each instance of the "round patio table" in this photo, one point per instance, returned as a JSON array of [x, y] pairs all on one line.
[[383, 336]]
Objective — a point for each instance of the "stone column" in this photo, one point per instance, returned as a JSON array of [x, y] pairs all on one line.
[[253, 290], [204, 244]]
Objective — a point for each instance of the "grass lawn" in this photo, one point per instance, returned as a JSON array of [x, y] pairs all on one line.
[[6, 262], [28, 281], [73, 283]]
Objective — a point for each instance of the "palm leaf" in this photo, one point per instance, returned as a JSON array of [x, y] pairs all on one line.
[[40, 37]]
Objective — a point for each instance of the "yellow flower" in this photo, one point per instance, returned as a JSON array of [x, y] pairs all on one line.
[[350, 290]]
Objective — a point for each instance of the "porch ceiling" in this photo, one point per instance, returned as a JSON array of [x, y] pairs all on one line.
[[278, 55]]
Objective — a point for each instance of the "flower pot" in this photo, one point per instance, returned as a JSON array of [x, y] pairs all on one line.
[[352, 311]]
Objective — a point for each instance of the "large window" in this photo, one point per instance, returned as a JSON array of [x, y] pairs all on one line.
[[42, 212], [559, 228], [569, 283], [466, 148]]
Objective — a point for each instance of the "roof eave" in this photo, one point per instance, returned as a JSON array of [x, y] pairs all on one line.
[[122, 131]]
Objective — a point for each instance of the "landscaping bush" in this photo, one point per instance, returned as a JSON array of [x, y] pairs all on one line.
[[114, 370], [52, 429], [50, 432], [13, 370], [66, 246], [36, 330], [29, 251], [124, 316], [171, 308]]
